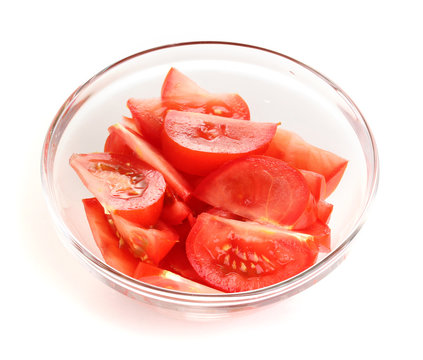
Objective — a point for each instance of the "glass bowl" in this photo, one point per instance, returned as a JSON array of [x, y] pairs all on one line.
[[276, 87]]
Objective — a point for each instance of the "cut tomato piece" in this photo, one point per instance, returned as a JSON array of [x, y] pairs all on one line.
[[316, 183], [148, 244], [321, 234], [199, 143], [258, 188], [114, 144], [114, 253], [181, 90], [324, 211], [124, 186], [162, 278], [174, 211], [291, 148], [151, 156], [176, 261], [223, 213], [235, 256], [309, 215], [148, 115]]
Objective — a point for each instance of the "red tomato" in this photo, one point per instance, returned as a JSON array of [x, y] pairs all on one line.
[[148, 115], [151, 156], [321, 234], [235, 256], [258, 188], [149, 244], [174, 211], [114, 144], [114, 253], [184, 92], [124, 186], [309, 215], [324, 210], [176, 261], [162, 278], [316, 183], [198, 143], [291, 148]]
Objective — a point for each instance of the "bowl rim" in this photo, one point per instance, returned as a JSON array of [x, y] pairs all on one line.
[[200, 299]]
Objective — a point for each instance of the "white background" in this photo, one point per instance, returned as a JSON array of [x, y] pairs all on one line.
[[369, 307]]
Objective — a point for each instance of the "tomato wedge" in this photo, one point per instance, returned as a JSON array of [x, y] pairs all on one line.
[[199, 143], [168, 280], [114, 253], [146, 152], [321, 234], [258, 188], [324, 211], [174, 211], [148, 244], [291, 148], [316, 183], [124, 186], [185, 93], [235, 256], [176, 261]]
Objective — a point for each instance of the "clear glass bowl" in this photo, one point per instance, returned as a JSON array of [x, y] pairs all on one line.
[[276, 88]]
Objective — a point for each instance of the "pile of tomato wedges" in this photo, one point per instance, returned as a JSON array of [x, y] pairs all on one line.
[[192, 195]]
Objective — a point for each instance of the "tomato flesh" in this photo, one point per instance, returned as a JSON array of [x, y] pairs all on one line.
[[146, 152], [235, 256], [199, 143], [258, 188], [324, 211], [291, 148], [148, 244], [174, 211], [124, 186], [189, 96], [321, 234], [114, 253], [166, 279]]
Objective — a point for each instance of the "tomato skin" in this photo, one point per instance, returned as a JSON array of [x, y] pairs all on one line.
[[324, 211], [321, 234], [146, 152], [114, 254], [235, 256], [258, 188], [174, 211], [291, 148], [309, 215], [148, 244], [316, 183], [168, 280], [189, 96], [114, 144], [199, 143], [124, 186], [176, 261]]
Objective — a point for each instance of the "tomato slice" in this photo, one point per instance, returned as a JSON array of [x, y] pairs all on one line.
[[199, 143], [324, 211], [168, 280], [291, 148], [148, 115], [146, 152], [174, 211], [316, 183], [124, 186], [309, 215], [114, 144], [321, 234], [176, 261], [148, 244], [114, 253], [184, 92], [258, 188], [235, 256]]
